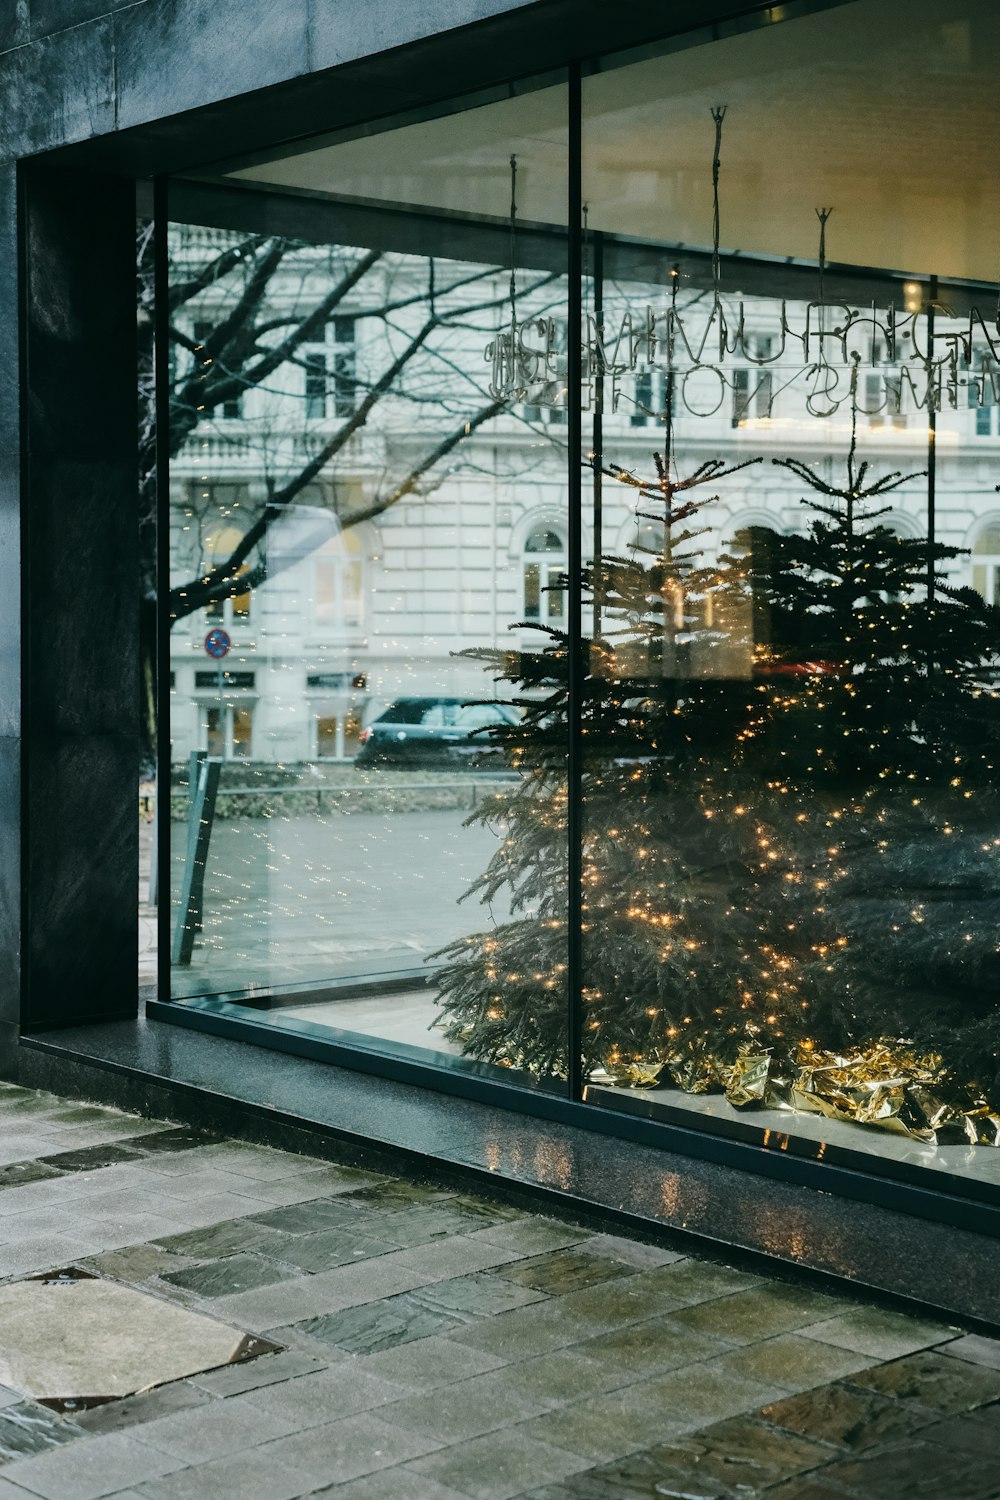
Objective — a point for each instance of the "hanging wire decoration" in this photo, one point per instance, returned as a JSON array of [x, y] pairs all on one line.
[[718, 116], [524, 354], [931, 358], [513, 245], [588, 267], [823, 215]]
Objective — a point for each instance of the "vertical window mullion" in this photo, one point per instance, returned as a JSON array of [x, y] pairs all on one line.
[[574, 623], [162, 382]]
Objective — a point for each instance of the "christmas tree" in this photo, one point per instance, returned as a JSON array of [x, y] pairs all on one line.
[[661, 709], [881, 735], [791, 885]]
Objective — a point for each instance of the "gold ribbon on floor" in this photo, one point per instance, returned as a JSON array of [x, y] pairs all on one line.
[[886, 1084]]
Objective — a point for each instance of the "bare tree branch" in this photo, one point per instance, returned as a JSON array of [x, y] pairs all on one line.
[[235, 340], [226, 573], [180, 292], [308, 327], [409, 485], [232, 577]]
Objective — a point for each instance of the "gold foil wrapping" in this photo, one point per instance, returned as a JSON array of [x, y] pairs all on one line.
[[748, 1081], [887, 1085]]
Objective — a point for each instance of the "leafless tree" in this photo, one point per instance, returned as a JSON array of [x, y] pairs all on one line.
[[255, 337]]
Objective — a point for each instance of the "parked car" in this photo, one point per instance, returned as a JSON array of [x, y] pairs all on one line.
[[437, 733]]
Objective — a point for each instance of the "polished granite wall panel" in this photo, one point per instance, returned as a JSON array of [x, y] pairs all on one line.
[[10, 607], [13, 24], [172, 57], [8, 1050], [82, 454], [82, 941], [340, 30], [10, 878], [81, 614], [10, 487], [58, 90]]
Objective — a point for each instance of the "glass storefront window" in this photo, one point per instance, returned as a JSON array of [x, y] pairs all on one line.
[[349, 578], [791, 872], [788, 917]]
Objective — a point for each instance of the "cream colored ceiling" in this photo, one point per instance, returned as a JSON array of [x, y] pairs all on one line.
[[460, 162], [886, 110]]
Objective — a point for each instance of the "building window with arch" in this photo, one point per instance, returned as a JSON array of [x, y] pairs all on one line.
[[544, 575], [986, 563], [901, 526], [649, 537]]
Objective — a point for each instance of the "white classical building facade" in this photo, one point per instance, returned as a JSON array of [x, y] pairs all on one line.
[[351, 618]]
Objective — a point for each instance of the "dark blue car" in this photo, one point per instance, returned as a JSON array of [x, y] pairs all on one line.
[[438, 733]]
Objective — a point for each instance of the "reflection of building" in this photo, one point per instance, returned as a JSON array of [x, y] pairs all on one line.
[[344, 622], [339, 628]]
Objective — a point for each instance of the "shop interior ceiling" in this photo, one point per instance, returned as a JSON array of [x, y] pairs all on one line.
[[887, 113]]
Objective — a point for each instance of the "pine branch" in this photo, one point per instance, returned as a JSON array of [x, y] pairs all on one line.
[[855, 492]]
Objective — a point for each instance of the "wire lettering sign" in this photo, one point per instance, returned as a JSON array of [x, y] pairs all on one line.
[[817, 348], [928, 357]]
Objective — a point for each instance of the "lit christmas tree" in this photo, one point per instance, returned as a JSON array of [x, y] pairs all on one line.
[[662, 707], [791, 879], [880, 738]]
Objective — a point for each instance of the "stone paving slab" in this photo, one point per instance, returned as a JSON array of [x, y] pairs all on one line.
[[437, 1345], [83, 1338]]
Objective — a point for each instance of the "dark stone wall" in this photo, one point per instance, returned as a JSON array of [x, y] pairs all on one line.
[[10, 619], [28, 20], [73, 70], [79, 549]]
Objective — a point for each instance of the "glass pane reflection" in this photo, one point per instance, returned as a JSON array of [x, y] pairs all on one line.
[[791, 544], [792, 819], [360, 528]]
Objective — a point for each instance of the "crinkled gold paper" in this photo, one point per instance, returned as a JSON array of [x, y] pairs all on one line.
[[887, 1085], [747, 1081], [634, 1074]]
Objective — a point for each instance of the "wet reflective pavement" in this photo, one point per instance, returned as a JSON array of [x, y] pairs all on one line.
[[435, 1345], [659, 1190]]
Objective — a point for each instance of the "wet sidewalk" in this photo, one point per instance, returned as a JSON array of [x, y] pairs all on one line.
[[185, 1316]]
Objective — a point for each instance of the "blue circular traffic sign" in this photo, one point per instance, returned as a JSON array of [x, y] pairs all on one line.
[[217, 644]]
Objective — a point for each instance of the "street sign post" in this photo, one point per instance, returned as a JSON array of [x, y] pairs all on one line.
[[218, 644]]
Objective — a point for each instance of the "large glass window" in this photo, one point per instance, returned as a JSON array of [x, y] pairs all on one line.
[[791, 902], [358, 537], [773, 624]]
